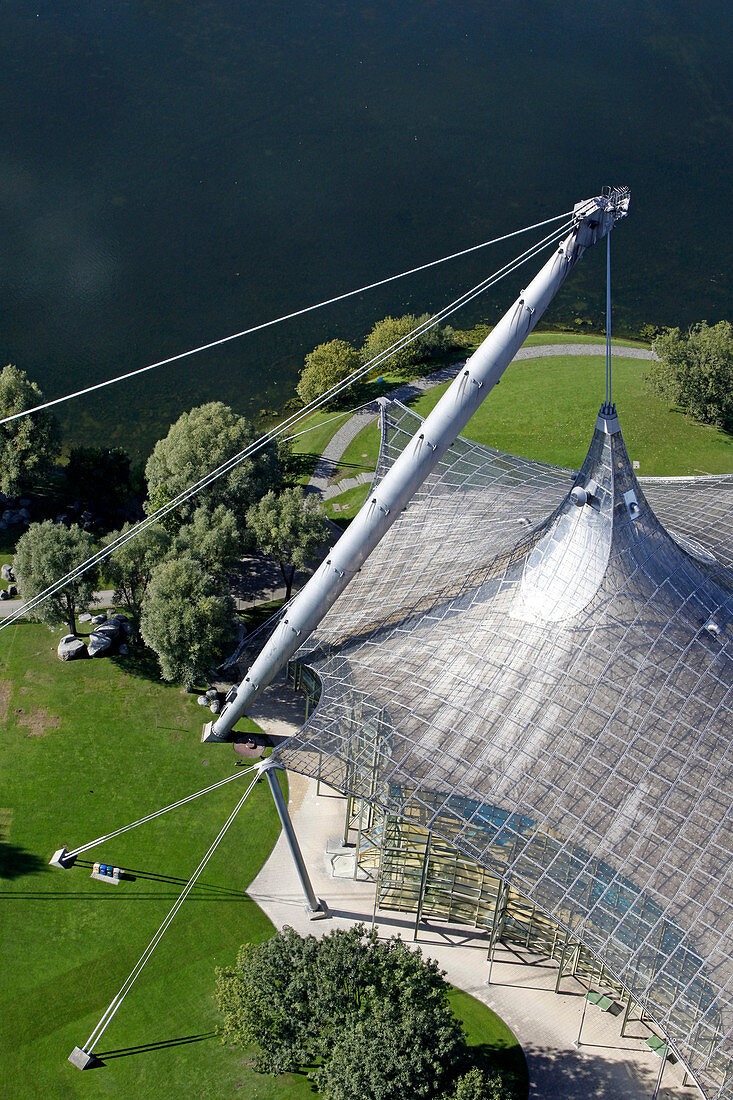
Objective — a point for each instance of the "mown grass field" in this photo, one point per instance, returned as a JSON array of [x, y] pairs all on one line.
[[546, 408], [89, 746]]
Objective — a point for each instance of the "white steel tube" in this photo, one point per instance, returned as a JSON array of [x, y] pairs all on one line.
[[593, 219]]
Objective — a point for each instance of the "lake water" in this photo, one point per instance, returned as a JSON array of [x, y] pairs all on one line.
[[174, 171]]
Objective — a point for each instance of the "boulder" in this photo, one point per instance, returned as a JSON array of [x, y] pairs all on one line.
[[12, 590], [99, 644], [4, 594], [85, 617], [6, 572], [212, 694], [123, 650], [110, 629], [202, 701], [97, 619], [215, 707], [70, 647], [24, 514], [24, 503], [126, 627]]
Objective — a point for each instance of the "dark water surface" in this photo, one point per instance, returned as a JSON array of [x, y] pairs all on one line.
[[174, 171]]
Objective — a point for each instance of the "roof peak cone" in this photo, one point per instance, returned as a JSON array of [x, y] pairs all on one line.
[[604, 523]]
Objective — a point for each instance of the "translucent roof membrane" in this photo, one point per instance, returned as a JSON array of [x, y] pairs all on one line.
[[554, 680]]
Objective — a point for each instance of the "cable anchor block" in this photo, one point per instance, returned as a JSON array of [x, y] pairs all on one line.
[[62, 859]]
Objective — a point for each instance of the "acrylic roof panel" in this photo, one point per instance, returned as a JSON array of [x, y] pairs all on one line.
[[550, 685]]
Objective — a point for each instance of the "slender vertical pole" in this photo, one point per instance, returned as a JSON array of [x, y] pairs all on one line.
[[313, 904], [582, 1018], [563, 955], [609, 386], [661, 1071], [423, 878], [627, 1013], [501, 895]]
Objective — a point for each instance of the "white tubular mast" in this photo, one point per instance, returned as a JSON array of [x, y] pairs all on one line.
[[593, 219]]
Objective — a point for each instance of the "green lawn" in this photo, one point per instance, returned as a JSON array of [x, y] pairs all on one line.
[[493, 1039], [86, 748], [320, 427], [546, 408], [89, 746]]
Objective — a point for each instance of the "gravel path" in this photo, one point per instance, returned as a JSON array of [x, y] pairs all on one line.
[[327, 464]]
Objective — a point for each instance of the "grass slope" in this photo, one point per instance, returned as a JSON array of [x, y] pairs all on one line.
[[545, 409], [87, 747]]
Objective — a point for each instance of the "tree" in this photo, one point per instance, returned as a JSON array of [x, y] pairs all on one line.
[[427, 345], [695, 370], [213, 538], [185, 622], [30, 445], [374, 1015], [325, 366], [289, 527], [199, 442], [44, 554], [130, 567]]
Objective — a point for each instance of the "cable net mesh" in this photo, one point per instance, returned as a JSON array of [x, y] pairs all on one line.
[[550, 688]]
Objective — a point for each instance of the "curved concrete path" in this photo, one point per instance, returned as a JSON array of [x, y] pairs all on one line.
[[327, 464]]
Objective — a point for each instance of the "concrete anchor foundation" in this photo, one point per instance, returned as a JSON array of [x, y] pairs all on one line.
[[82, 1059], [62, 859]]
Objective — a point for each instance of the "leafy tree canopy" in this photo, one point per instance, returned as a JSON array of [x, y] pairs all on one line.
[[199, 442], [213, 538], [374, 1016], [695, 370], [28, 446], [325, 366], [427, 345], [131, 566], [44, 554], [185, 621], [290, 528]]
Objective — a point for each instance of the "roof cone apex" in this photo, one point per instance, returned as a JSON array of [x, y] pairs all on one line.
[[603, 524]]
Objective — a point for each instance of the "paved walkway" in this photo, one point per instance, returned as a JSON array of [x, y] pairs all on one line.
[[327, 464], [605, 1066]]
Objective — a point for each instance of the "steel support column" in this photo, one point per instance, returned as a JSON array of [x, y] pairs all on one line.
[[314, 905]]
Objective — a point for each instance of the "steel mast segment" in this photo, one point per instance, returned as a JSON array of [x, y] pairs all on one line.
[[593, 219]]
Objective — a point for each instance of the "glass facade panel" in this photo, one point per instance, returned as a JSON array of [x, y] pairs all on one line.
[[549, 688]]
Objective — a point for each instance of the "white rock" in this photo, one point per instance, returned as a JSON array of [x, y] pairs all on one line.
[[70, 647], [99, 644]]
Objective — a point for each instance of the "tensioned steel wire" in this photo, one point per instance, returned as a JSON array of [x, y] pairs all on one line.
[[289, 423], [108, 1015], [157, 813], [277, 320]]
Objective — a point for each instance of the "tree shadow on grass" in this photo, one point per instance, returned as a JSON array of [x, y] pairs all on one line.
[[16, 862], [508, 1062], [140, 661]]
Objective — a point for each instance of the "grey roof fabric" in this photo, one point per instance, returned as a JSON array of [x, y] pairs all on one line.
[[550, 686]]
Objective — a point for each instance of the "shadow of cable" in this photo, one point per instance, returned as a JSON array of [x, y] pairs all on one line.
[[131, 874], [161, 1044]]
